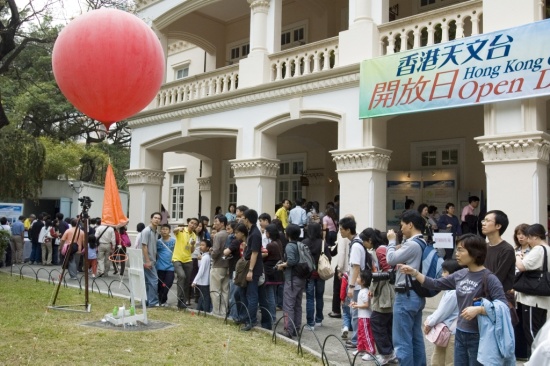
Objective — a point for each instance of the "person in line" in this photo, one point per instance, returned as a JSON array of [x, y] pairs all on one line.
[[447, 313], [230, 214], [183, 264], [365, 339], [71, 236], [202, 280], [468, 217], [17, 240], [383, 297], [124, 242], [534, 308], [282, 213], [469, 285], [219, 274], [449, 223], [522, 248], [164, 265], [298, 216], [235, 251], [294, 285], [273, 277], [92, 255], [407, 336], [139, 228], [106, 242], [46, 240], [149, 250], [315, 286]]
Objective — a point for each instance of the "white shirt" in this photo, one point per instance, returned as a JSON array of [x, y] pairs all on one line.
[[363, 299], [108, 237], [356, 257], [203, 275]]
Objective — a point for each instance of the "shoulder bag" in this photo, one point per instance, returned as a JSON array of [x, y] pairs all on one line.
[[536, 283], [439, 335], [324, 269]]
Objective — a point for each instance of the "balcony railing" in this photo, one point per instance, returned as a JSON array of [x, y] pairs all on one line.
[[215, 82], [309, 59], [438, 26]]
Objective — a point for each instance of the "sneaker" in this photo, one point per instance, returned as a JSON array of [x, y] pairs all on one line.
[[320, 324], [357, 352], [74, 278], [93, 275], [335, 315], [351, 346], [345, 331], [387, 359], [163, 305], [368, 357], [310, 328]]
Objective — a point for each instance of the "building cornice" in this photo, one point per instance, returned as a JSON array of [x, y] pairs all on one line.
[[528, 146], [259, 167], [371, 158], [144, 176], [335, 79]]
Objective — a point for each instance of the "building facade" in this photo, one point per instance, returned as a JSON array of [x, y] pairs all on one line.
[[261, 103]]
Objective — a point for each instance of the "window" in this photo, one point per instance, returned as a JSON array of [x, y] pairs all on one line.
[[439, 157], [232, 194], [238, 51], [438, 154], [291, 168], [426, 2], [182, 73], [294, 35], [229, 193], [177, 191], [429, 158]]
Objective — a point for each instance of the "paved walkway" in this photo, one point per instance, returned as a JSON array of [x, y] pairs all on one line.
[[118, 286]]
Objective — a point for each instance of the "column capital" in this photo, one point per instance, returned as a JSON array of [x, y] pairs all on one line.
[[370, 158], [259, 167], [528, 146], [205, 183], [145, 176], [259, 5]]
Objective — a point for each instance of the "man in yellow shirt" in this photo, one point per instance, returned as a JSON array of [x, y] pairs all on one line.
[[183, 264], [282, 213]]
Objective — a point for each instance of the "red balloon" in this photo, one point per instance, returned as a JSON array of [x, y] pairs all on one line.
[[109, 64]]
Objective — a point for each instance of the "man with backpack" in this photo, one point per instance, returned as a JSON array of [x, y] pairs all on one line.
[[408, 338], [295, 282]]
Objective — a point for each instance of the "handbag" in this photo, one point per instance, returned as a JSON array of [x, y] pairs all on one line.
[[536, 283], [439, 335], [241, 270], [324, 269]]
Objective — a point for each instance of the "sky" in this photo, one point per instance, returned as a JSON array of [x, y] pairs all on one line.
[[62, 10]]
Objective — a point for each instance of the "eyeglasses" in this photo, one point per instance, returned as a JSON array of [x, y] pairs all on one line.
[[484, 221]]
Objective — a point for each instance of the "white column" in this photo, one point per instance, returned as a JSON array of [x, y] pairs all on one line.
[[255, 69], [256, 183], [145, 186], [516, 167], [362, 177], [362, 40], [517, 13], [274, 20], [205, 190]]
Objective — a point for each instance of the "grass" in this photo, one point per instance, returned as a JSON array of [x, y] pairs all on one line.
[[35, 335]]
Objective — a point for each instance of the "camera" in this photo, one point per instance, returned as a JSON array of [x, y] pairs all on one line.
[[384, 276], [277, 265], [85, 202]]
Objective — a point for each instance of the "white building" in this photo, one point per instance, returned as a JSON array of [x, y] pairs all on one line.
[[259, 93]]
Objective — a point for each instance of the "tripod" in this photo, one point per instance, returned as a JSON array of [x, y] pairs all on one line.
[[86, 203]]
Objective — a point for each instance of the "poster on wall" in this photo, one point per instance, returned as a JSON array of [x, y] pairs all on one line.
[[11, 211], [439, 193], [398, 191]]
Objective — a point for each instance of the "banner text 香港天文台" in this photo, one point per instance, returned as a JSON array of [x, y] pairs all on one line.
[[508, 64]]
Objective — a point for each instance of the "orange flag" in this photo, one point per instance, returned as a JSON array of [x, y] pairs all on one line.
[[112, 213]]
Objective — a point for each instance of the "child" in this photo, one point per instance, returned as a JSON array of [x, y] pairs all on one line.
[[365, 339], [92, 254], [346, 314], [202, 280], [447, 312], [164, 265]]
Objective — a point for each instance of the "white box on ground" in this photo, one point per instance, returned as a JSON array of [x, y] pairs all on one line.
[[443, 240]]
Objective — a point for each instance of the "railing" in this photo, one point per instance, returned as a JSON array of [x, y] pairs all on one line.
[[305, 60], [215, 82], [438, 26]]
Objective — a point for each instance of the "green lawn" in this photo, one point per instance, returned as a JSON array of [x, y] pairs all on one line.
[[35, 335]]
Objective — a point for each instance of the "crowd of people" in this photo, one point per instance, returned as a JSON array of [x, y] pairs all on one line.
[[249, 265]]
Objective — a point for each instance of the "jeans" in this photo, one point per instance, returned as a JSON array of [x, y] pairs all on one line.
[[36, 252], [270, 299], [280, 292], [408, 338], [205, 303], [292, 305], [251, 298], [346, 314], [235, 311], [315, 289], [151, 285], [354, 318], [266, 305], [466, 345], [166, 280], [55, 254]]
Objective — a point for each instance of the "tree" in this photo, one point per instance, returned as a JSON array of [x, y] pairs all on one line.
[[22, 159]]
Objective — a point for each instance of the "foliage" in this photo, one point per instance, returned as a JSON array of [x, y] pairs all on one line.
[[4, 242], [58, 337], [22, 159]]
